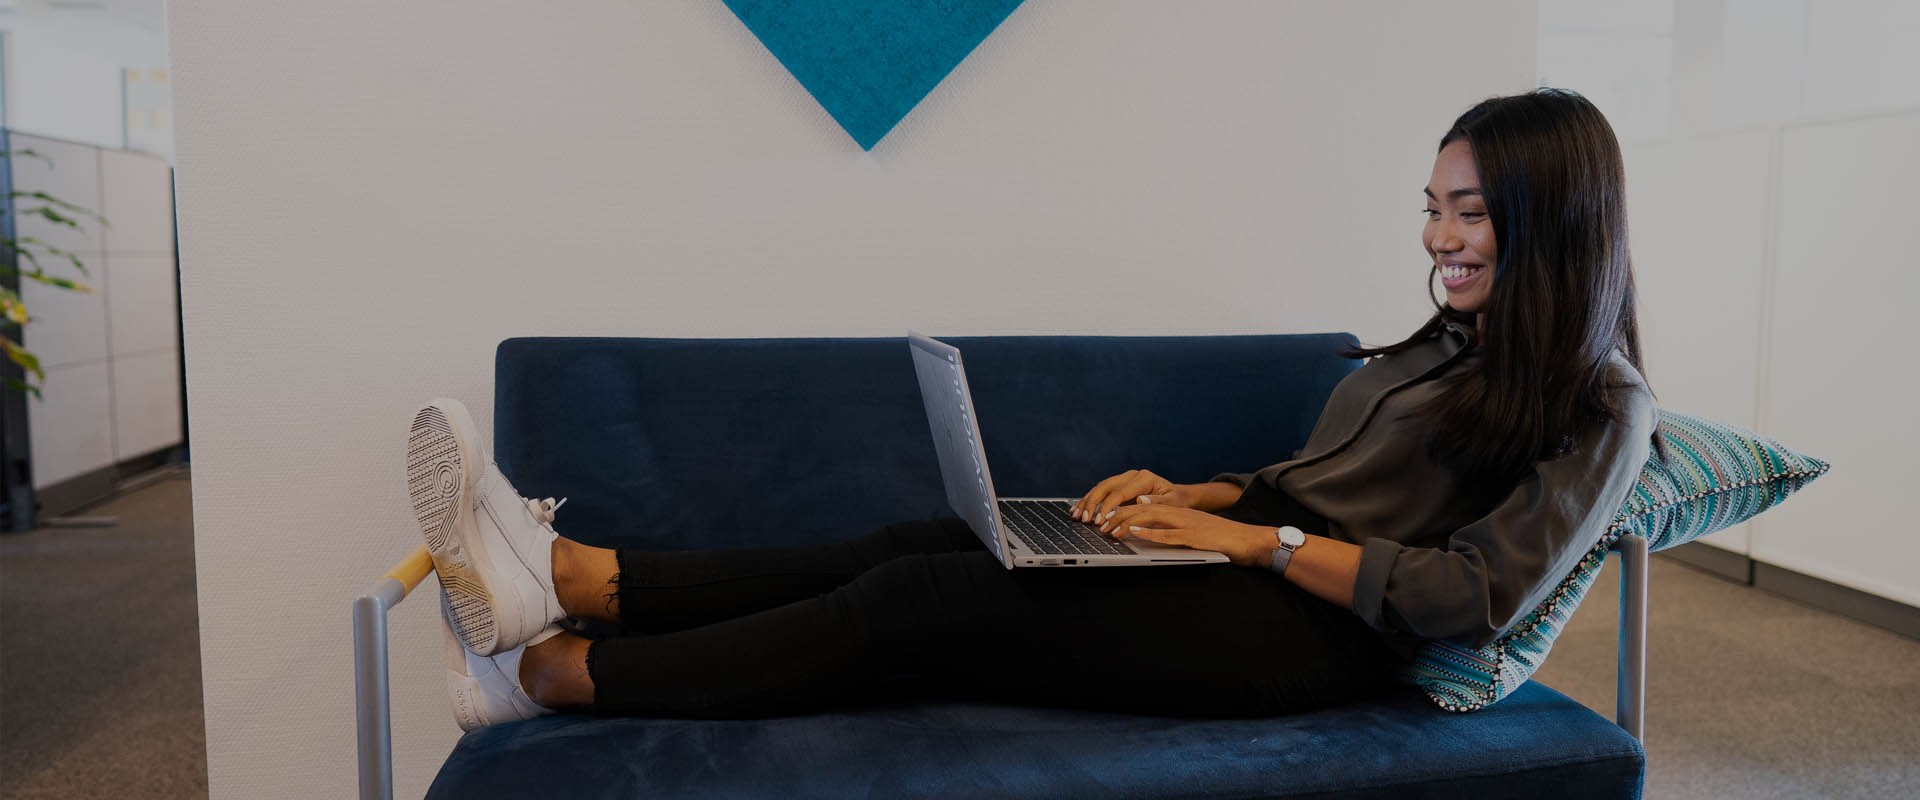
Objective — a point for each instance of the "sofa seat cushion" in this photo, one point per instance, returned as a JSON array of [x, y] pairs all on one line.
[[1535, 743]]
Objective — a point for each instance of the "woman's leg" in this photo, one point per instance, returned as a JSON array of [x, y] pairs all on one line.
[[657, 592], [1212, 640]]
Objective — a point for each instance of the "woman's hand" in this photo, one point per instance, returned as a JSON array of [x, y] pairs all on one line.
[[1245, 545], [1127, 487]]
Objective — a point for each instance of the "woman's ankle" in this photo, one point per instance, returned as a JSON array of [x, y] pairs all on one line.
[[554, 673], [586, 580]]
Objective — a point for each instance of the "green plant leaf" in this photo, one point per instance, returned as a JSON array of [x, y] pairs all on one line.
[[15, 248], [25, 387], [71, 258], [48, 213], [20, 245], [58, 282], [39, 273], [28, 152], [57, 202], [26, 360], [11, 307]]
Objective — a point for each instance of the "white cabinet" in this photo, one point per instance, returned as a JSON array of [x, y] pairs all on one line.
[[112, 390], [1843, 378]]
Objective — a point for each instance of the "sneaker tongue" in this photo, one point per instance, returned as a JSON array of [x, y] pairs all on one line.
[[543, 509]]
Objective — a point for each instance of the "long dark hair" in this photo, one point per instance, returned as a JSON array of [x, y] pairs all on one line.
[[1562, 298]]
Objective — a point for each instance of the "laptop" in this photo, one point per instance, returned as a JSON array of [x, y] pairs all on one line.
[[1020, 531]]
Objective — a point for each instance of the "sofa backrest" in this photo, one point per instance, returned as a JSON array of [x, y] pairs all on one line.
[[693, 443]]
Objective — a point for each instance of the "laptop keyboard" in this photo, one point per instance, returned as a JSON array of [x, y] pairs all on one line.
[[1049, 531]]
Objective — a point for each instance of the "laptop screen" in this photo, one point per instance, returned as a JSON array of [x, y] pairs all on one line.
[[956, 437]]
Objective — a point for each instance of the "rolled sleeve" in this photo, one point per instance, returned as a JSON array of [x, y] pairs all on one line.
[[1370, 588], [1490, 573]]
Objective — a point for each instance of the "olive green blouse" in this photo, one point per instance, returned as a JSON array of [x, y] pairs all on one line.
[[1439, 559]]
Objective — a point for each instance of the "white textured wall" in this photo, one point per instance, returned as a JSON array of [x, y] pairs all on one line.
[[374, 194]]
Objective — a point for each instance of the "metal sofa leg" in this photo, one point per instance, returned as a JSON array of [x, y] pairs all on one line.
[[1630, 676], [372, 711]]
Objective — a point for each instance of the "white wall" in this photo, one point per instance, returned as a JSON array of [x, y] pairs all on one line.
[[1618, 54], [112, 389], [1767, 206], [1840, 376], [64, 67], [358, 238]]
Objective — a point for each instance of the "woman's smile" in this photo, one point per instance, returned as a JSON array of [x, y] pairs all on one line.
[[1457, 276]]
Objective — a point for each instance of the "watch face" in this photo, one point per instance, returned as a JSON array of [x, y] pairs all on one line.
[[1292, 536]]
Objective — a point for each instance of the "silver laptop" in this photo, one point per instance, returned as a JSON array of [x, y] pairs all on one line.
[[1022, 532]]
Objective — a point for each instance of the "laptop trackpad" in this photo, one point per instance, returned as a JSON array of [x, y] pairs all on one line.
[[1169, 552]]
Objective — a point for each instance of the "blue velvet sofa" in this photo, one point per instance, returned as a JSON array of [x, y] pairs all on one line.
[[673, 443]]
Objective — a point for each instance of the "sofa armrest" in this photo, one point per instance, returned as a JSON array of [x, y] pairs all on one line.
[[1630, 675], [371, 709]]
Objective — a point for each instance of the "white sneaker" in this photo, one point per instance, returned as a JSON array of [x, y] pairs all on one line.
[[492, 548], [486, 690]]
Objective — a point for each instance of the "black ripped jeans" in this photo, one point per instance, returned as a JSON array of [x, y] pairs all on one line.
[[921, 610]]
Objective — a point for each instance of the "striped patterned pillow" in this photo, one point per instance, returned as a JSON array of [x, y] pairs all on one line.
[[1715, 476]]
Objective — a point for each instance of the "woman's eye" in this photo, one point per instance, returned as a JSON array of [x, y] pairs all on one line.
[[1430, 213]]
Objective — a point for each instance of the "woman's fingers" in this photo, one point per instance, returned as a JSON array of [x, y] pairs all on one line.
[[1090, 506], [1142, 515], [1110, 493], [1121, 517], [1082, 509], [1173, 536], [1121, 494]]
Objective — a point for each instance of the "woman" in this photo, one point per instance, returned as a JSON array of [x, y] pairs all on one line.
[[1449, 484]]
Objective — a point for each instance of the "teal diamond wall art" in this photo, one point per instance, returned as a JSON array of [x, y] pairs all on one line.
[[869, 62]]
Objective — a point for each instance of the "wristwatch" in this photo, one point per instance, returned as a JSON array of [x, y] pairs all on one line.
[[1290, 540]]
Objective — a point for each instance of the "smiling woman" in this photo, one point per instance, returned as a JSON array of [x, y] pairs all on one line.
[[1534, 187]]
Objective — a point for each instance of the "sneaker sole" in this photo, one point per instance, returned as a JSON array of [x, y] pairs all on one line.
[[461, 687], [441, 478]]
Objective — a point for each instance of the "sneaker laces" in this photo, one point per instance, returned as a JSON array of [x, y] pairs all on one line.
[[543, 509]]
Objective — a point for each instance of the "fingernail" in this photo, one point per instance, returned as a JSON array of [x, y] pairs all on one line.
[[1131, 528], [1145, 499], [1111, 513]]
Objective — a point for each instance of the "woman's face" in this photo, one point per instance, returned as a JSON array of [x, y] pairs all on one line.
[[1458, 235]]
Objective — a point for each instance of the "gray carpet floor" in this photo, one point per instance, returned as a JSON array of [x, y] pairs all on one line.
[[100, 655], [1751, 695]]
